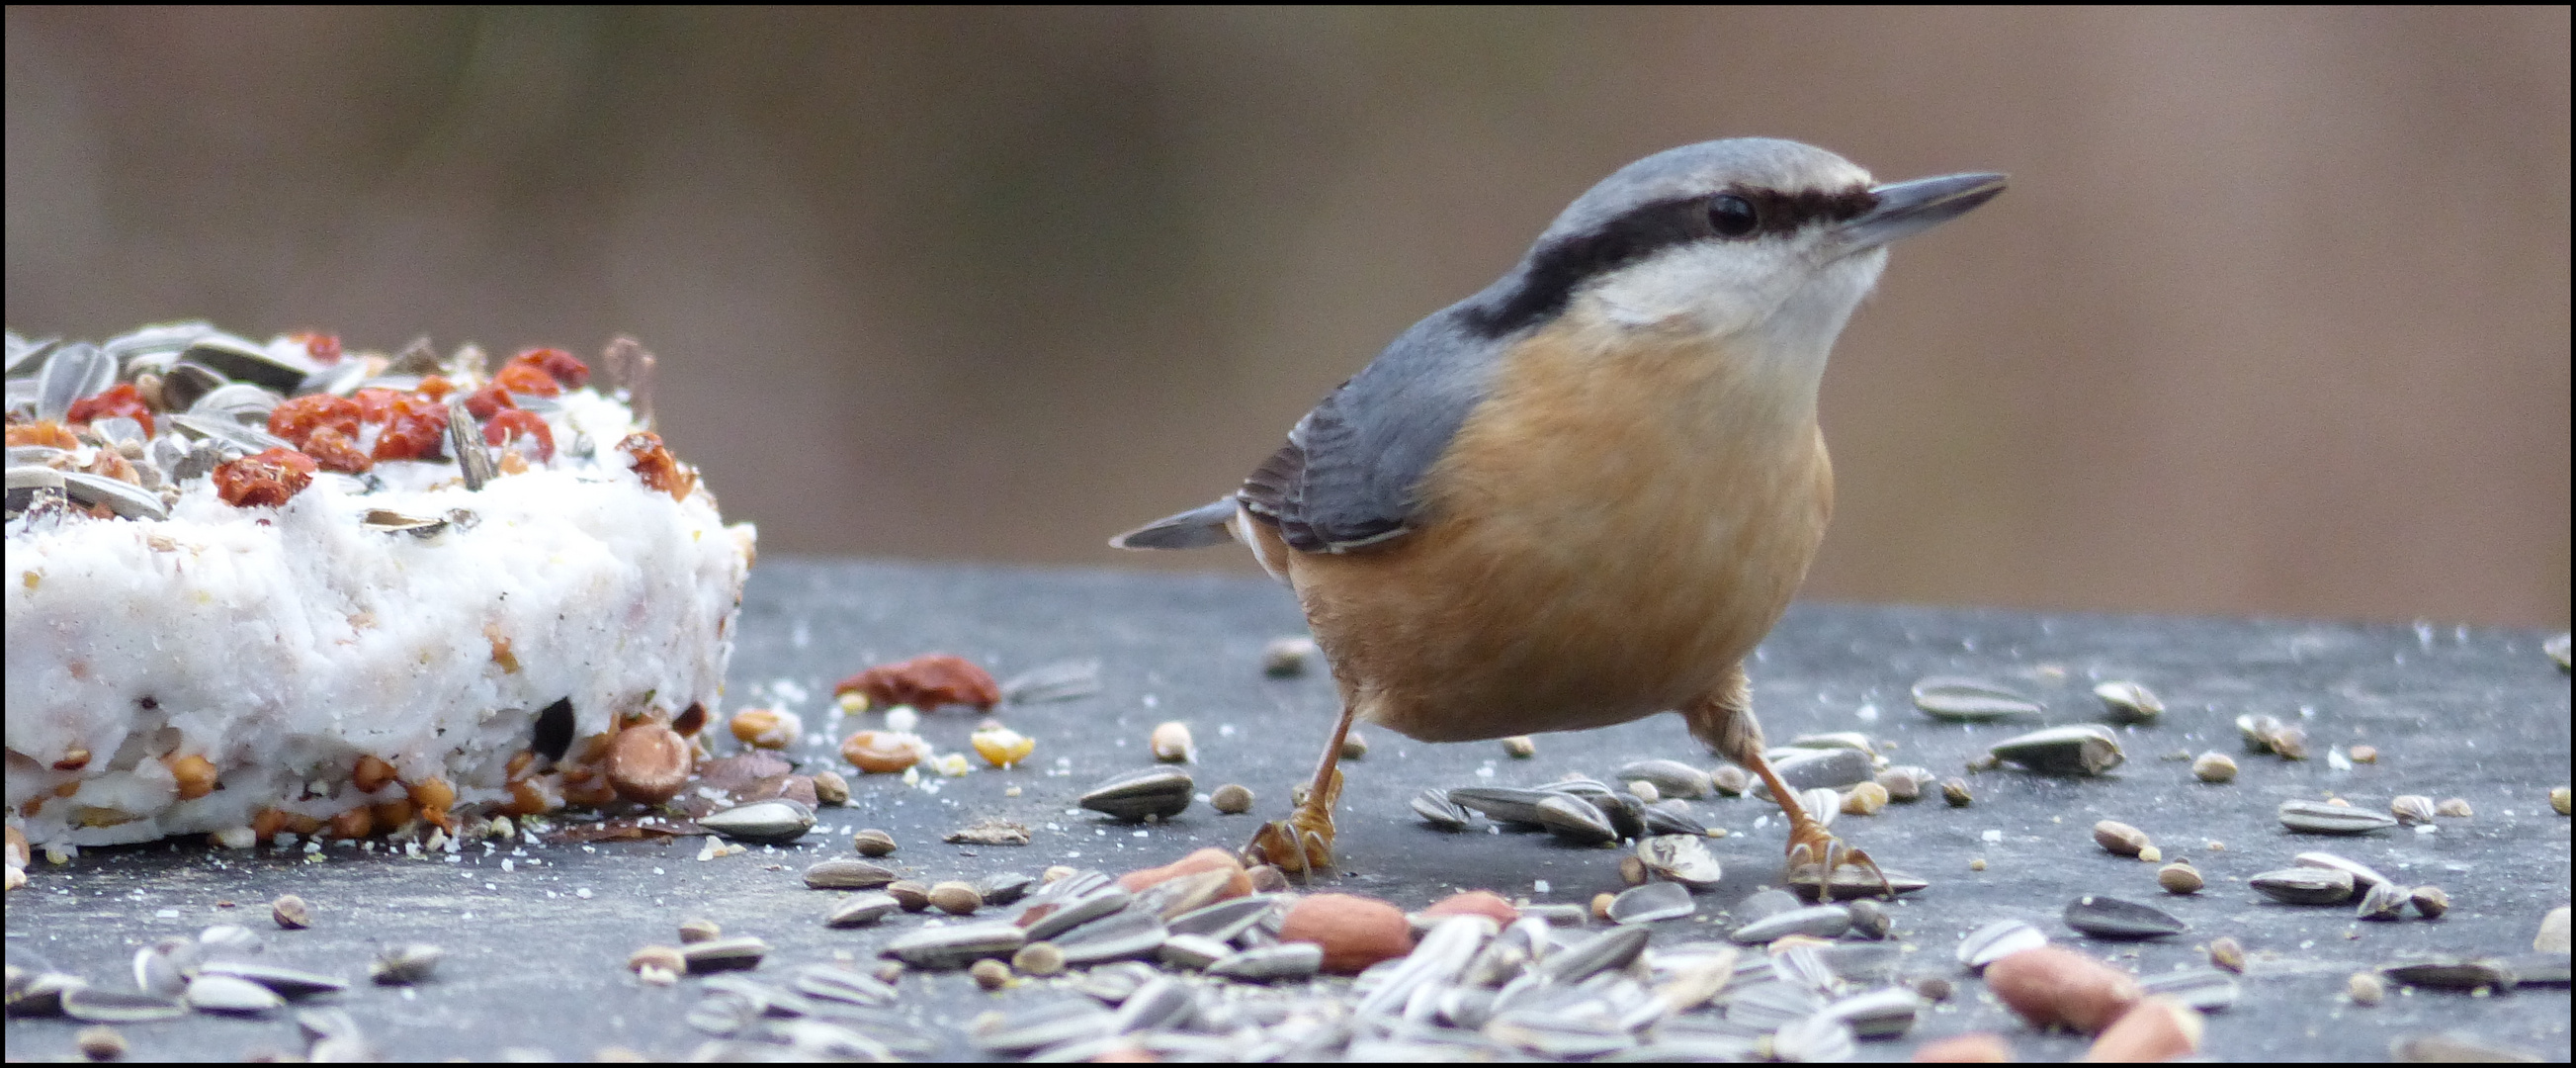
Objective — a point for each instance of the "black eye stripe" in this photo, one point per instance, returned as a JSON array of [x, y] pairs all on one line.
[[1559, 267]]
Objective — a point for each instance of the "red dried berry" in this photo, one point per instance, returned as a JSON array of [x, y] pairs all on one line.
[[296, 418], [335, 451], [925, 682], [265, 479], [488, 401], [324, 348], [120, 399], [521, 424], [415, 427], [656, 466], [563, 366], [526, 378]]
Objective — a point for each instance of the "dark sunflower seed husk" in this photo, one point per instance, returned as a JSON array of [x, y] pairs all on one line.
[[2362, 874], [2383, 901], [845, 874], [2317, 817], [1651, 902], [1966, 700], [1672, 817], [1436, 809], [1811, 769], [1225, 919], [2080, 749], [724, 954], [1575, 820], [776, 821], [1507, 805], [862, 909], [1603, 952], [1265, 964], [2129, 702], [288, 981], [1671, 778], [2537, 969], [1879, 1013], [835, 983], [1158, 792], [1820, 921], [405, 964], [2452, 975], [1058, 917], [1119, 936], [2110, 917], [2306, 886], [957, 945], [1854, 882]]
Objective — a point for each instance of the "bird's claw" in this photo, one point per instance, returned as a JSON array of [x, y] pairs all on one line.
[[1811, 848], [1302, 844]]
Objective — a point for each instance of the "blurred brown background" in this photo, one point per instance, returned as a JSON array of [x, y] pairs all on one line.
[[2274, 320]]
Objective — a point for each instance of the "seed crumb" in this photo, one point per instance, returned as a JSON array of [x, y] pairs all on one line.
[[990, 974], [1977, 864], [291, 912], [2225, 952], [2364, 754], [2365, 988], [2454, 807], [1520, 747], [101, 1043]]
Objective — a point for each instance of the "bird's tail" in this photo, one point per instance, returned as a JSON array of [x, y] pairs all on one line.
[[1197, 528]]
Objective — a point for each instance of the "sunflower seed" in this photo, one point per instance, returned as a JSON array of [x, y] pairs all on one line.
[[2538, 969], [777, 821], [1729, 780], [1671, 778], [847, 874], [1878, 1014], [2453, 807], [2383, 901], [832, 982], [2362, 875], [957, 945], [1809, 769], [1553, 1036], [225, 994], [1971, 700], [2452, 974], [164, 967], [2129, 702], [1502, 804], [2316, 817], [1223, 920], [1160, 793], [1682, 858], [1905, 782], [1997, 940], [123, 498], [2214, 768], [1030, 1030], [1821, 804], [1607, 951], [2430, 901], [1652, 902], [1671, 817], [1574, 820], [1118, 936], [2179, 877], [1817, 1038], [860, 910], [1041, 959], [1853, 881], [2206, 989], [955, 898], [1870, 919], [1159, 1003], [2082, 749], [871, 842], [90, 1004], [39, 993], [1047, 918], [724, 954], [2110, 917], [290, 982], [2120, 839], [1821, 921], [1287, 960], [405, 964], [70, 373], [1955, 791], [2306, 886], [1191, 952], [2453, 1048], [2266, 734]]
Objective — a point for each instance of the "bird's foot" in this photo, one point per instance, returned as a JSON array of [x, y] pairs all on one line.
[[1302, 844], [1815, 856]]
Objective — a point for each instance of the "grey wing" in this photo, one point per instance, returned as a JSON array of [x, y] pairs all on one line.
[[1351, 472]]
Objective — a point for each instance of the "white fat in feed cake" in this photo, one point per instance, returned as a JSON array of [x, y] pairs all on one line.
[[263, 588]]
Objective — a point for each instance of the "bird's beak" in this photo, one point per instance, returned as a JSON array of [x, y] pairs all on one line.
[[1909, 208]]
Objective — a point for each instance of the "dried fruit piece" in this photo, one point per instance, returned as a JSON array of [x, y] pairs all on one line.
[[766, 728], [297, 418], [925, 682], [515, 424], [194, 774], [649, 763], [883, 752], [264, 480], [563, 367], [121, 399], [661, 471]]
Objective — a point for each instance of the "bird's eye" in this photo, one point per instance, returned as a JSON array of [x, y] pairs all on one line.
[[1731, 215]]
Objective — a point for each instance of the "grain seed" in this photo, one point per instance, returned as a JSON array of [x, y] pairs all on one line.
[[2110, 917], [2453, 807], [1041, 959], [1966, 700], [1644, 791], [1864, 799], [724, 954], [2120, 839], [1955, 791], [2365, 989], [2179, 877], [2306, 886], [405, 964], [830, 788], [1905, 782], [2365, 754], [2311, 817], [693, 931], [2384, 901], [2129, 702], [1354, 745], [1171, 742], [990, 974], [846, 874], [871, 842], [1730, 780], [1671, 778], [1520, 747], [909, 895], [666, 958], [100, 1043], [2429, 901], [2225, 952], [1632, 871], [1001, 746], [956, 898], [1233, 799], [2214, 767]]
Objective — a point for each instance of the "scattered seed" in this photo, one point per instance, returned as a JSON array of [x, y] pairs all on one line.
[[2081, 749], [845, 874], [1655, 901], [2306, 886], [2552, 937], [2452, 974], [2454, 807], [1645, 792], [100, 1043], [1955, 791], [910, 895], [2310, 817], [699, 930], [1233, 799], [1821, 921], [1997, 940], [2225, 952], [2558, 799], [1171, 742], [1267, 879], [956, 898], [1520, 747], [1039, 959], [1286, 657], [405, 964], [1870, 919], [2384, 901], [2363, 876], [2206, 989], [1904, 783], [1864, 799], [1001, 746], [1575, 820], [232, 996], [2214, 767], [884, 752], [2411, 809], [1932, 987], [1354, 745], [872, 842], [1976, 864], [990, 974], [1436, 808], [989, 832], [1671, 778], [1730, 780], [2110, 917], [2129, 702], [724, 954], [2430, 901], [291, 912], [1632, 871], [2365, 754], [2179, 877], [861, 909], [1601, 905], [95, 1005], [1160, 793], [2365, 988], [2120, 838], [776, 821], [957, 945], [1971, 700], [667, 958]]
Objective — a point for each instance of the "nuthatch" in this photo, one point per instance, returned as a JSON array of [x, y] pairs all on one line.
[[1582, 495]]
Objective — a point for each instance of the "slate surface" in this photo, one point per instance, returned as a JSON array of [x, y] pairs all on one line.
[[534, 965]]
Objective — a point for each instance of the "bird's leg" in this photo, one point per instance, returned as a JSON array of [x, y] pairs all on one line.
[[1302, 844], [1809, 842]]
